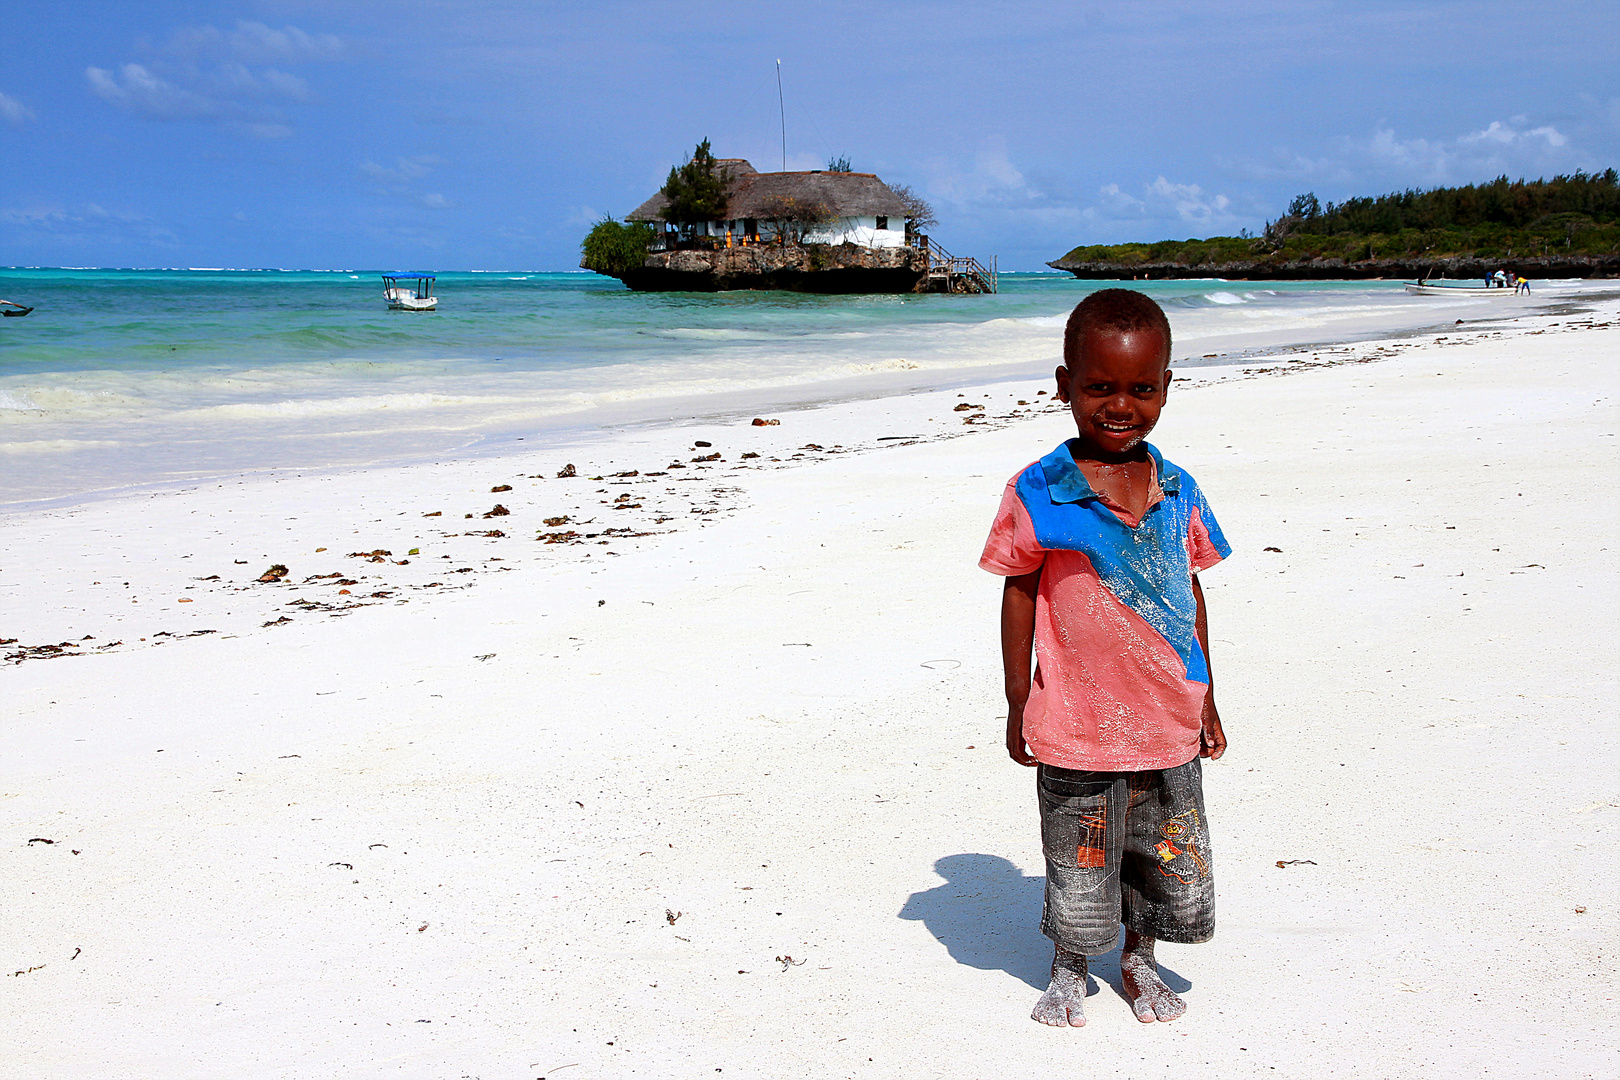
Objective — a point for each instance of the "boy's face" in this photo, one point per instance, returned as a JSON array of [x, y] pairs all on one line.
[[1115, 384]]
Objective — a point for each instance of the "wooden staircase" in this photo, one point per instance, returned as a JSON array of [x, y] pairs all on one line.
[[949, 274]]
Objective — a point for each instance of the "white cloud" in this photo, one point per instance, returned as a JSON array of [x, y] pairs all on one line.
[[233, 80], [86, 224], [1406, 153], [996, 189], [289, 43], [14, 111], [208, 75], [411, 168], [997, 168], [1163, 204], [398, 180], [253, 42], [993, 177], [1510, 147], [135, 89], [224, 97], [283, 84], [1119, 203], [1383, 159], [1190, 202], [1509, 133]]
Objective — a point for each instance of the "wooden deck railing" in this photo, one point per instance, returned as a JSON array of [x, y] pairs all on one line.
[[957, 274]]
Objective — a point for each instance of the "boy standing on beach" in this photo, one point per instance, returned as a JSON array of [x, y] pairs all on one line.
[[1101, 543]]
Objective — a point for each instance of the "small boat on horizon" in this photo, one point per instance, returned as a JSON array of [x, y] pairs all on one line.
[[415, 294]]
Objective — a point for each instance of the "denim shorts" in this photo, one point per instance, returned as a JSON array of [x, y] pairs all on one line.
[[1125, 847]]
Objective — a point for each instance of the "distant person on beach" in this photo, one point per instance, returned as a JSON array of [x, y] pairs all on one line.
[[1523, 287], [1101, 543]]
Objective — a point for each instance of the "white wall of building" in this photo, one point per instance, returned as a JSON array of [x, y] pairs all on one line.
[[861, 230], [850, 230]]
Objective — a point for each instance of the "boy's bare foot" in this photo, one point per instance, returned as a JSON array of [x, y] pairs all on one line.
[[1064, 1003], [1150, 998]]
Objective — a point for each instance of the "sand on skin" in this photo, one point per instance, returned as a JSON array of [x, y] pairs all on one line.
[[1415, 687]]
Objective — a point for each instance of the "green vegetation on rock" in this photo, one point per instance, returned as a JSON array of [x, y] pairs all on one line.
[[614, 247], [1565, 216], [696, 190]]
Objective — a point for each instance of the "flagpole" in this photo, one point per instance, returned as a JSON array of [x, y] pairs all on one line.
[[782, 107]]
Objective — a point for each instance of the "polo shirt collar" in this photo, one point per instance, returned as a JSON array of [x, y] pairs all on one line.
[[1065, 483]]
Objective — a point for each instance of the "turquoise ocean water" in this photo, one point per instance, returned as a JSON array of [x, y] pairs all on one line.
[[131, 377]]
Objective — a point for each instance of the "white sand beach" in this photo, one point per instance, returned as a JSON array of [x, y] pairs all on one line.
[[729, 798]]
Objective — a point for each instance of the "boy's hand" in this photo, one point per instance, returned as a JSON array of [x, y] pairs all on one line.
[[1213, 740], [1017, 640], [1016, 748]]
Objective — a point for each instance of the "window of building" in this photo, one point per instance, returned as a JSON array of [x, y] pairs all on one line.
[[883, 221]]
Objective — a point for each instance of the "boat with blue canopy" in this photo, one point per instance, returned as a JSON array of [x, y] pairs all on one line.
[[411, 291]]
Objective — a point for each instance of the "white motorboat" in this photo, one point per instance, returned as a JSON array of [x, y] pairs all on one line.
[[410, 292], [1430, 288]]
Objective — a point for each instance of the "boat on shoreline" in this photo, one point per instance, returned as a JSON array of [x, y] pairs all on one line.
[[416, 294], [1429, 288]]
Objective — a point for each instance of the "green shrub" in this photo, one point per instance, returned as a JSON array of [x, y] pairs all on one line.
[[613, 247]]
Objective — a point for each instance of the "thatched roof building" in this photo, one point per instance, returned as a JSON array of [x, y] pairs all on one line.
[[751, 194], [859, 207]]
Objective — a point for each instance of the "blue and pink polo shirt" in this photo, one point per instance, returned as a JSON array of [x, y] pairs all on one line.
[[1120, 678]]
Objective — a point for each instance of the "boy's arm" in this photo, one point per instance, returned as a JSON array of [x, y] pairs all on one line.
[[1213, 740], [1017, 643]]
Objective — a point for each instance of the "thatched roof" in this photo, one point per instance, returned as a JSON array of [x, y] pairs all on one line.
[[751, 193]]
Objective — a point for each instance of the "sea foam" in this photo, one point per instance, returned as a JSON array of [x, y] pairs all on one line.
[[162, 373]]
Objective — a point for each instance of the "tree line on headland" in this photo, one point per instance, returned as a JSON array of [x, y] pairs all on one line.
[[1566, 226]]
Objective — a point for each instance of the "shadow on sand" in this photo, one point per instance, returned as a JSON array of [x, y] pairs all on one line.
[[988, 916]]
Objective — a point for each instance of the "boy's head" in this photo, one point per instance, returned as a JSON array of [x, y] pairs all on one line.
[[1113, 311], [1116, 369]]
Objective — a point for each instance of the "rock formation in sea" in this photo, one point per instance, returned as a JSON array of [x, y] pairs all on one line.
[[818, 268]]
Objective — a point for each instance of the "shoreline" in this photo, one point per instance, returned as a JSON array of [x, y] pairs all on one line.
[[588, 424], [629, 455], [625, 456]]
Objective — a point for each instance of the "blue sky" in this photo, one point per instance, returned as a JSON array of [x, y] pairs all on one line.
[[486, 134]]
